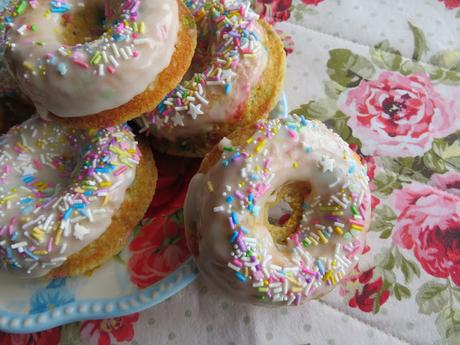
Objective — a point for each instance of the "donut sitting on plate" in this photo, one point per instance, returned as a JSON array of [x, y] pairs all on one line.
[[69, 198], [278, 212]]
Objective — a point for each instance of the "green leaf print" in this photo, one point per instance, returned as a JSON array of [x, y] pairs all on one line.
[[333, 89], [321, 110], [408, 269], [386, 182], [383, 221], [347, 68], [446, 64], [420, 46], [432, 297], [448, 324], [400, 291], [385, 56], [70, 335], [442, 155]]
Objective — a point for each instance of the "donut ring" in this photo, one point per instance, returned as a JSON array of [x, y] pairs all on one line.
[[229, 206], [104, 82], [235, 78], [69, 198]]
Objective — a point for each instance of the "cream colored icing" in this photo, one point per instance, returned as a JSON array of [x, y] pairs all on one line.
[[295, 150], [123, 70], [214, 105], [59, 189]]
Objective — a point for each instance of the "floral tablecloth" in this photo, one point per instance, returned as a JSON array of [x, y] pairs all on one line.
[[385, 75]]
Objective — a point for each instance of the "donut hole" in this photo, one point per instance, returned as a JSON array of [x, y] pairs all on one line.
[[284, 209], [82, 25]]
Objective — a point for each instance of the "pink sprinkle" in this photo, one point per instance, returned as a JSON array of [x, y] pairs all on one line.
[[80, 63], [308, 271], [353, 221], [37, 164], [239, 195], [292, 134], [237, 262], [8, 169], [353, 253], [136, 53], [120, 170], [110, 69], [50, 244]]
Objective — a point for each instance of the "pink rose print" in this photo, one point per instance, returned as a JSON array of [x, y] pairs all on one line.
[[288, 41], [365, 295], [451, 4], [398, 115], [448, 182], [100, 332], [312, 2], [273, 10], [49, 337], [429, 224], [158, 250]]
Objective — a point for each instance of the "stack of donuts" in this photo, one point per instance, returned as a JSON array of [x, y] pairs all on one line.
[[90, 90]]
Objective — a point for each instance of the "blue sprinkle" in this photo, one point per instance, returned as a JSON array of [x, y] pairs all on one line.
[[234, 236], [14, 236], [79, 205], [227, 88], [255, 210], [351, 169], [229, 199], [27, 210], [68, 213], [320, 266], [225, 163], [234, 218], [308, 149], [240, 276], [303, 120], [245, 230]]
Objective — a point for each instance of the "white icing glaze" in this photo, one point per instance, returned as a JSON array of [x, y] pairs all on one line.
[[224, 87], [225, 214], [59, 189], [73, 86]]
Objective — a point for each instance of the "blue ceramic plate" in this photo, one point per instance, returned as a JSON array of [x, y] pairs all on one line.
[[31, 306]]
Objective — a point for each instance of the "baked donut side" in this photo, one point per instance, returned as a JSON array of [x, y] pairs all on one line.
[[114, 239], [99, 80], [235, 78], [278, 212]]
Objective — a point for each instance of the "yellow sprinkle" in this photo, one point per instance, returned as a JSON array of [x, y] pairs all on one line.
[[57, 238], [357, 227], [260, 146], [9, 197], [332, 279], [40, 252], [296, 289], [105, 184], [135, 27], [337, 213], [295, 165], [328, 275], [23, 147], [142, 28], [293, 281], [246, 271], [338, 230], [29, 66], [106, 200], [315, 242], [266, 282], [210, 186], [322, 237]]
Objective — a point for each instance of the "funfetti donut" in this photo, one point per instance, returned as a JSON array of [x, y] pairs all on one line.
[[278, 212], [69, 198], [236, 77], [98, 63]]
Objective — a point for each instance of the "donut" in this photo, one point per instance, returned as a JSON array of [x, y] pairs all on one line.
[[95, 66], [278, 212], [69, 198], [236, 75]]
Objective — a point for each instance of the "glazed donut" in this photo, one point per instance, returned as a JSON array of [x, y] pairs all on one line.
[[98, 75], [69, 198], [236, 75], [238, 241]]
